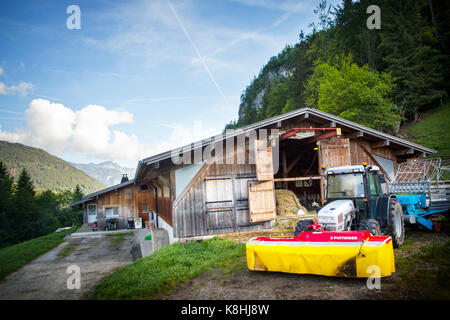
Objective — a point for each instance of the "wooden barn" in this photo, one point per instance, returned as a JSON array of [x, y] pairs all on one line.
[[227, 183]]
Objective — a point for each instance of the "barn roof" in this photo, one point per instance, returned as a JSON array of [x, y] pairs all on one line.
[[286, 116], [93, 195]]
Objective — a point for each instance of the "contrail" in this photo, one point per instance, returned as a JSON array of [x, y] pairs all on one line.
[[198, 52], [9, 111]]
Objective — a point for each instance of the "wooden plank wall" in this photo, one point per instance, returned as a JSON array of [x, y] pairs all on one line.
[[358, 155], [194, 215]]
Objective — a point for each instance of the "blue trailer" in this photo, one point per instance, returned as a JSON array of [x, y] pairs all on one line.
[[425, 196]]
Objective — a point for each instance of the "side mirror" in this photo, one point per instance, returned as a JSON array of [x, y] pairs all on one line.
[[382, 178]]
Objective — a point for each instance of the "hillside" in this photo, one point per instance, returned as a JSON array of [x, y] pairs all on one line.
[[433, 131], [109, 173], [382, 78], [46, 170]]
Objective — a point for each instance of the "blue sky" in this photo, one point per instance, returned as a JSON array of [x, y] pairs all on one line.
[[139, 77]]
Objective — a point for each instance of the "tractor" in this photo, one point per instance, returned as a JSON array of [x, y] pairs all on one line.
[[357, 199]]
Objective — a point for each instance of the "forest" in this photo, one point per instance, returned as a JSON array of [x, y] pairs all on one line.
[[26, 213], [381, 78]]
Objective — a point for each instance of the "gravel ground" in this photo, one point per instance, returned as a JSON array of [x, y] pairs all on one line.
[[45, 278]]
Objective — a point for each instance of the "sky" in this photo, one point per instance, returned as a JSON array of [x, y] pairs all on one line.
[[137, 78]]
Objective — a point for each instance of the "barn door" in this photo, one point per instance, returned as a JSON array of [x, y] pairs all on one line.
[[334, 152], [219, 202], [261, 201], [263, 160]]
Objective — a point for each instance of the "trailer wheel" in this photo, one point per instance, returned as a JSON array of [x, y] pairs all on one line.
[[371, 225], [396, 225], [303, 225]]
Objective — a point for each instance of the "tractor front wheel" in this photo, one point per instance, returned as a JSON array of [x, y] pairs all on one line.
[[303, 225], [396, 225], [371, 225]]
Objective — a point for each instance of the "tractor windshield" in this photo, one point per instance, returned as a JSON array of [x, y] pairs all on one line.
[[349, 185]]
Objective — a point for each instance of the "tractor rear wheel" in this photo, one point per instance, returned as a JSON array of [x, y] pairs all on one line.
[[303, 225], [396, 225], [371, 225]]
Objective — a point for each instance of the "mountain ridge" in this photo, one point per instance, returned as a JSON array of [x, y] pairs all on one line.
[[107, 172], [47, 171]]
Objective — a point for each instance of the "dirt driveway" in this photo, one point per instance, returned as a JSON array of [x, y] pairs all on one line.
[[46, 277]]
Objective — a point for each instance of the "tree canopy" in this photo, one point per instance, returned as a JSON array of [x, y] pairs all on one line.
[[354, 93]]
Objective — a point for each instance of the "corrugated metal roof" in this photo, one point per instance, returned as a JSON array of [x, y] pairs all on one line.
[[282, 117]]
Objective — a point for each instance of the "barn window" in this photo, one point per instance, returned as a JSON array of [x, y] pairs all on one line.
[[184, 175], [144, 187], [218, 190], [386, 164], [111, 212]]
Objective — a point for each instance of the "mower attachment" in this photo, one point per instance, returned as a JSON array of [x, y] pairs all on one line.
[[342, 254]]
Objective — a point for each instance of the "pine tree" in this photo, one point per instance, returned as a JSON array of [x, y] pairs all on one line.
[[24, 216], [78, 193], [25, 183], [409, 45], [6, 183]]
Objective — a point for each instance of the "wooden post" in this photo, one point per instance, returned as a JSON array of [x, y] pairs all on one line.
[[284, 168]]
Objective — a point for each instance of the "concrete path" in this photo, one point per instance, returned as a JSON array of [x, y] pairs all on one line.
[[46, 277]]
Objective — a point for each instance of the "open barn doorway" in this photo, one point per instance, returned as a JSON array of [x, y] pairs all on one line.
[[299, 170]]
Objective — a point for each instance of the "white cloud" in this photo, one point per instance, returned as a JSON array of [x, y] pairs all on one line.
[[22, 89], [89, 133], [59, 129], [48, 125], [1, 71]]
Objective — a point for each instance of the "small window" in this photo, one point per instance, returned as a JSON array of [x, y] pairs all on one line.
[[374, 181], [145, 207], [92, 209], [111, 212], [144, 187]]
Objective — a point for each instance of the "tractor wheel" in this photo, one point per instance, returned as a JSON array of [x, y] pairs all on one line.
[[302, 225], [396, 225], [371, 225]]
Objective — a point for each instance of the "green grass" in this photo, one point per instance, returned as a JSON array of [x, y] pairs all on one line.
[[16, 256], [118, 237], [433, 131], [149, 277], [67, 250], [426, 273]]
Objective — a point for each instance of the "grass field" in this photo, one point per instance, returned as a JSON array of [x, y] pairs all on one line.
[[167, 267], [433, 131], [424, 269], [16, 256]]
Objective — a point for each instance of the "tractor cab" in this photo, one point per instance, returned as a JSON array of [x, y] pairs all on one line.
[[360, 183]]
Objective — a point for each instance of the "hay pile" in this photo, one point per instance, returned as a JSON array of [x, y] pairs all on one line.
[[287, 203]]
